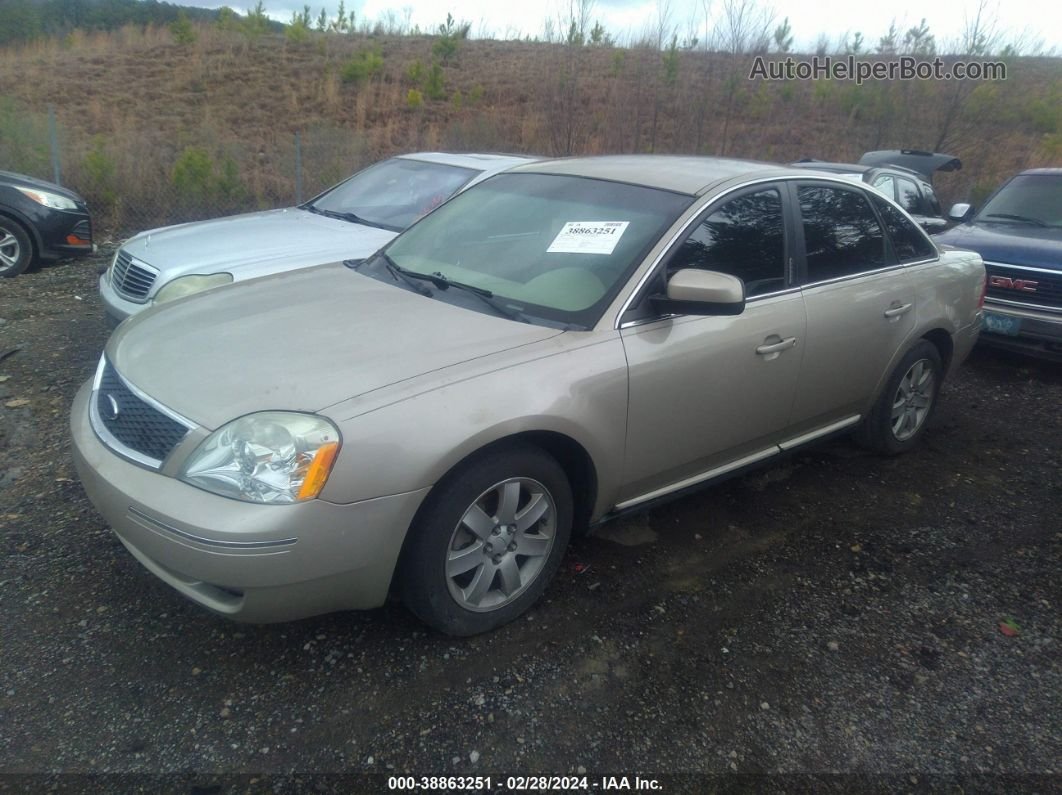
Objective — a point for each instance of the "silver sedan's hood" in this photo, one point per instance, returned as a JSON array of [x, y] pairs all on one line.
[[256, 244], [301, 340]]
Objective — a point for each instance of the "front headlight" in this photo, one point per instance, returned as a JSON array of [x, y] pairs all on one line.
[[269, 457], [187, 285], [49, 199]]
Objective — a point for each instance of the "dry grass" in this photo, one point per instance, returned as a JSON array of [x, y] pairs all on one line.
[[139, 100]]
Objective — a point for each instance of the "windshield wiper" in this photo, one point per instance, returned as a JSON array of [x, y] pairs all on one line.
[[409, 277], [353, 218], [442, 283], [485, 295], [1022, 218]]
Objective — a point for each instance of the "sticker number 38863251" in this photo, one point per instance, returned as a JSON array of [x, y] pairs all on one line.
[[588, 237]]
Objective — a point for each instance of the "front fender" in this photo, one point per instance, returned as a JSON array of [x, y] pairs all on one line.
[[578, 390]]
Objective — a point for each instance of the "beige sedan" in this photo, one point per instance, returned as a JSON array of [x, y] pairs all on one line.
[[554, 347]]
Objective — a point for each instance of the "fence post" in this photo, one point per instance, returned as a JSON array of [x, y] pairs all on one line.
[[298, 168], [54, 138]]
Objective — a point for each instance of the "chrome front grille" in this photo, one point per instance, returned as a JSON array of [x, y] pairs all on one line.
[[132, 278], [130, 424]]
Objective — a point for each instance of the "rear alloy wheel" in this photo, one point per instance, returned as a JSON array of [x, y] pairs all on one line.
[[16, 251], [900, 416], [488, 542]]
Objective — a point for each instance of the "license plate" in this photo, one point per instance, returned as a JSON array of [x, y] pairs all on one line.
[[1001, 324]]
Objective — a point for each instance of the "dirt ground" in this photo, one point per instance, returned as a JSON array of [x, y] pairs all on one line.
[[838, 621]]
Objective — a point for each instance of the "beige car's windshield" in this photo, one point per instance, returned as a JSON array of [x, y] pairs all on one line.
[[543, 246]]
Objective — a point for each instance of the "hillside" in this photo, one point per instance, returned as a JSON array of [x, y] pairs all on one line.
[[153, 130]]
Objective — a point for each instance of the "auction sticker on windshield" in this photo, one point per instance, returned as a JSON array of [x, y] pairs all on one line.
[[588, 237]]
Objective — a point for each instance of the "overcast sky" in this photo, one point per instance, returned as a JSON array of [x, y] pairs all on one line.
[[1027, 20]]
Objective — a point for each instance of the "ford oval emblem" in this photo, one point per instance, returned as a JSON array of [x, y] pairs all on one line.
[[112, 407]]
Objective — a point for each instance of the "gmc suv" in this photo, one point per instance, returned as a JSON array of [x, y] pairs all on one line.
[[1019, 235]]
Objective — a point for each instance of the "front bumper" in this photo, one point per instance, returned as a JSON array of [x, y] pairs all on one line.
[[117, 307], [256, 563], [1026, 330], [64, 233]]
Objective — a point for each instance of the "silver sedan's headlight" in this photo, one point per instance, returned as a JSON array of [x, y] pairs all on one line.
[[269, 457], [49, 199], [188, 285]]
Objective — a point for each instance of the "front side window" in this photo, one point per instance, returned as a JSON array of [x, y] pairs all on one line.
[[908, 241], [745, 237], [392, 194], [842, 235], [907, 196], [545, 246]]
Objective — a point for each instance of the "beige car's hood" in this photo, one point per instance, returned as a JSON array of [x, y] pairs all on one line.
[[301, 340]]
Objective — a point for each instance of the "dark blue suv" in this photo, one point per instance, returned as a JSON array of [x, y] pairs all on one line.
[[1018, 233]]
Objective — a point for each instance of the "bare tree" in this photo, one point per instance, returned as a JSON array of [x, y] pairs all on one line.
[[745, 26], [979, 37]]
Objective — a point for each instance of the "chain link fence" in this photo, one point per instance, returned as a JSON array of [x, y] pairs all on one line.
[[140, 181]]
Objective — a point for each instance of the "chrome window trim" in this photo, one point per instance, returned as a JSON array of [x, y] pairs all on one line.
[[915, 263], [617, 322], [108, 439], [851, 276]]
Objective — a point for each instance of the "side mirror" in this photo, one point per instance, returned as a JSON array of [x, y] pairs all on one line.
[[960, 212], [696, 292]]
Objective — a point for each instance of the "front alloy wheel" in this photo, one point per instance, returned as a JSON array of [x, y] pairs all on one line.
[[501, 544], [16, 250], [487, 540]]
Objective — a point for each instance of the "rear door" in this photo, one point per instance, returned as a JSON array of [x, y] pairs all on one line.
[[860, 304]]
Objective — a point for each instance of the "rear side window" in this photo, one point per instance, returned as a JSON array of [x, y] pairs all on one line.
[[907, 240], [745, 237], [931, 199], [842, 235], [908, 196], [886, 185]]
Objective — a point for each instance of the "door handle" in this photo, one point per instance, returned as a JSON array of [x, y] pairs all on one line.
[[898, 311], [776, 347]]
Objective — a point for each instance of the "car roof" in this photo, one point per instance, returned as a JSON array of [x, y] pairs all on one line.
[[1056, 172], [678, 173], [480, 161], [924, 163], [825, 165], [858, 168]]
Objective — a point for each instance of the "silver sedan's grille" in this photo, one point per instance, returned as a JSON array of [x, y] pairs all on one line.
[[132, 278], [129, 424]]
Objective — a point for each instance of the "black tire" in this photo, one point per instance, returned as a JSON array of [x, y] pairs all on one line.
[[16, 248], [902, 412], [486, 593]]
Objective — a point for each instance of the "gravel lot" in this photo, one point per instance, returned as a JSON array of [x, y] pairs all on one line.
[[837, 616]]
